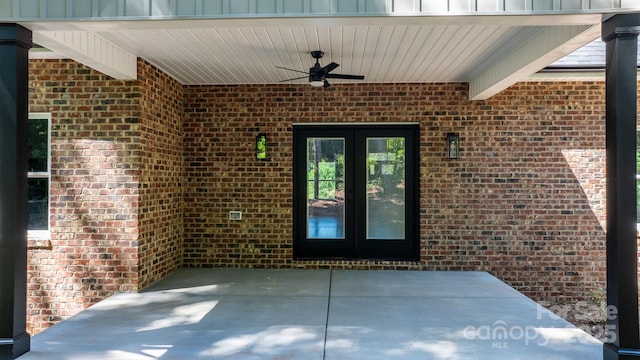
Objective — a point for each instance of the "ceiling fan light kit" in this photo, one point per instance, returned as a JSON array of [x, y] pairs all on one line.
[[318, 74]]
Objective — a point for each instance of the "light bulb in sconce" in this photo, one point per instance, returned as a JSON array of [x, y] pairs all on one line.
[[453, 145]]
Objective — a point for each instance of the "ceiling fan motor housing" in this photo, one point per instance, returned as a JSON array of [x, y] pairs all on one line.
[[316, 77], [318, 74]]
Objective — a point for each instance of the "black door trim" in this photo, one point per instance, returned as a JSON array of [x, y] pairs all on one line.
[[355, 245]]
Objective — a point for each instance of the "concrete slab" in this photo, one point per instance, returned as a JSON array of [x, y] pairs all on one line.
[[255, 282], [305, 314], [450, 328], [190, 328], [444, 315], [384, 283]]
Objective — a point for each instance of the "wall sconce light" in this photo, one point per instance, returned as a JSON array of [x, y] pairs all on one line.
[[453, 145], [261, 146]]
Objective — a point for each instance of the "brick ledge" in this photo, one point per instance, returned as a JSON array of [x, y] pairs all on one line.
[[38, 240]]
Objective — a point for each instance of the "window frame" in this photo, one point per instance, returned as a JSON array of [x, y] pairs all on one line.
[[43, 234]]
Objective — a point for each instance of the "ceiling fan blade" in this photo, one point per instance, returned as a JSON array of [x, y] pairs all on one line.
[[326, 84], [330, 67], [298, 78], [345, 76], [284, 68]]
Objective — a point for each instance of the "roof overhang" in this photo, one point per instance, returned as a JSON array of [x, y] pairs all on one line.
[[489, 44]]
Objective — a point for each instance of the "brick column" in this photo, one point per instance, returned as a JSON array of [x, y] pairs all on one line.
[[620, 32], [15, 42]]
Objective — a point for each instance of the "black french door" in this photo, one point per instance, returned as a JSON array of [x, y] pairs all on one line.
[[356, 192]]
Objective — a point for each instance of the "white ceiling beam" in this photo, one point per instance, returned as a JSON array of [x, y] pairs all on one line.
[[529, 57], [91, 50]]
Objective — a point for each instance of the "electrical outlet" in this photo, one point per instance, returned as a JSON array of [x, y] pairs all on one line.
[[235, 215]]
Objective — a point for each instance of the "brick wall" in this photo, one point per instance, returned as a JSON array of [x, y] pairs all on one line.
[[525, 202], [115, 177], [94, 191], [161, 165], [145, 172]]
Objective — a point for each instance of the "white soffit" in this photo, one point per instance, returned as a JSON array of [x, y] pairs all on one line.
[[542, 49], [90, 49], [491, 44], [385, 49]]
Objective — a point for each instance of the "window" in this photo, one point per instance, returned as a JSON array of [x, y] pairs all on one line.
[[38, 174], [355, 192], [637, 180]]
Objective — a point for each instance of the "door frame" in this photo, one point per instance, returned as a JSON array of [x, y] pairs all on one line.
[[352, 248]]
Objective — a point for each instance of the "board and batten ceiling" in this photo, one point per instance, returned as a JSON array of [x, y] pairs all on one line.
[[486, 44]]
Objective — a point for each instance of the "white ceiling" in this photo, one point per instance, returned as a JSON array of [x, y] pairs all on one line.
[[383, 53], [390, 49]]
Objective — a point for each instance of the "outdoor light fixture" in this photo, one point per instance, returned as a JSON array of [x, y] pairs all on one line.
[[261, 146], [453, 145], [316, 80]]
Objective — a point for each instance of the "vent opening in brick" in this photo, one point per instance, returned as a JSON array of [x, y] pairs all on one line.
[[235, 215]]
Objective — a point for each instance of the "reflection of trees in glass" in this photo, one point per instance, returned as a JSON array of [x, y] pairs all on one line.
[[325, 168], [38, 203], [386, 165], [325, 185], [261, 146], [38, 145], [38, 182]]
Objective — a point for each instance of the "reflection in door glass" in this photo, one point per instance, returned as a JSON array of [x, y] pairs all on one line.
[[325, 188], [385, 188]]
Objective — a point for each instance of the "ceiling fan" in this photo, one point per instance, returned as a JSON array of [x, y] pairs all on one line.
[[318, 75]]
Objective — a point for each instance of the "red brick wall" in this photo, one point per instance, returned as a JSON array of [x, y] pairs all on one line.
[[144, 170], [161, 165], [94, 191], [116, 216], [521, 203]]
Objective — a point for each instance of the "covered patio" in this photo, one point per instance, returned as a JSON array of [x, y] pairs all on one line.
[[227, 313], [153, 108]]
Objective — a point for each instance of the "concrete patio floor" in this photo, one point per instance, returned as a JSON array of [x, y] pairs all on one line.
[[226, 313]]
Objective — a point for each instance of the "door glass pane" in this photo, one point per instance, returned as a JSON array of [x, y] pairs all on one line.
[[38, 145], [325, 188], [38, 203], [385, 188]]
